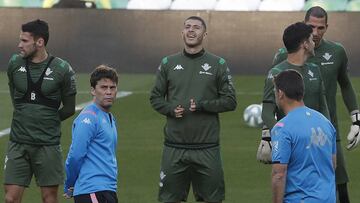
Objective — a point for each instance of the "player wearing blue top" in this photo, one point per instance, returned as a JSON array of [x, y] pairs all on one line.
[[91, 166], [304, 147]]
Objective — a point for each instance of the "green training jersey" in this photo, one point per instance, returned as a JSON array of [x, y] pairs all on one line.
[[32, 123], [314, 91], [203, 77], [333, 62]]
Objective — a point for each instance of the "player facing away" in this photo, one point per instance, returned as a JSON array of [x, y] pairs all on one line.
[[298, 40], [91, 166], [304, 147], [191, 89], [42, 89], [333, 62]]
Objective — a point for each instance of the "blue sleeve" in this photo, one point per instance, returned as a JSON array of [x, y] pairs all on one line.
[[84, 129], [333, 138], [281, 145]]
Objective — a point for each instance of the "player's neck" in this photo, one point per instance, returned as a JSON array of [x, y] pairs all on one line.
[[193, 50], [40, 56], [297, 58], [291, 105]]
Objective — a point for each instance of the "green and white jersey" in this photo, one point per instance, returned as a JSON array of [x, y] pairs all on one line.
[[333, 62], [34, 123], [203, 77], [314, 91]]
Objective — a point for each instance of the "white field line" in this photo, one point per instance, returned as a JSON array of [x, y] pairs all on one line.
[[120, 94]]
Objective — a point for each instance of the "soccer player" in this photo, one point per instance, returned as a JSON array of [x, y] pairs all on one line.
[[39, 83], [333, 62], [91, 168], [304, 147], [298, 41], [192, 87]]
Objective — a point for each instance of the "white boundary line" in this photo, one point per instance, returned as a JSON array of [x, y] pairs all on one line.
[[120, 94]]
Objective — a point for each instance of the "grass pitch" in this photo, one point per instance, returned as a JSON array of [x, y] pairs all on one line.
[[140, 143]]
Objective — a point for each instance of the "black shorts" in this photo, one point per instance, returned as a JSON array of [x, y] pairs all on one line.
[[97, 197]]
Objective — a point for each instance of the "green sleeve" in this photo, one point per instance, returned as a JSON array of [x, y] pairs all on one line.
[[324, 109], [269, 104], [68, 93], [10, 80], [226, 91], [268, 114], [69, 82], [68, 108], [159, 92], [347, 90], [280, 56]]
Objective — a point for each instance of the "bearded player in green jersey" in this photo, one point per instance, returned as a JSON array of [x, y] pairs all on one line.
[[333, 62], [42, 89], [192, 87]]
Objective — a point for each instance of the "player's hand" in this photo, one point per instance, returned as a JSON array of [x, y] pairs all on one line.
[[264, 151], [353, 136], [179, 111], [192, 105], [69, 193]]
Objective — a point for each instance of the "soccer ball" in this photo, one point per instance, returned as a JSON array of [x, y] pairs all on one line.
[[252, 115]]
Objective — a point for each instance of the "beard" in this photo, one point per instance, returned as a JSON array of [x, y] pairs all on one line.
[[29, 55]]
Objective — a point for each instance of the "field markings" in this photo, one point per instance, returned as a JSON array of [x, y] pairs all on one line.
[[120, 94]]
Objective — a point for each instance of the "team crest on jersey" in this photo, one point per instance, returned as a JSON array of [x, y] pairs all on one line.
[[22, 69], [206, 66], [48, 71], [327, 56], [311, 73], [178, 67]]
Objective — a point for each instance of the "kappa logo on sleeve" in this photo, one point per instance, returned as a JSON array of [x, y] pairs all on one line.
[[178, 67], [86, 121]]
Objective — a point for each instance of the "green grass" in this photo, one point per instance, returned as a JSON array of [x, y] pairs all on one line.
[[140, 143]]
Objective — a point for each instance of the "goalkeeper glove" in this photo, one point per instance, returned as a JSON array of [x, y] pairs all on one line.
[[353, 136], [264, 150]]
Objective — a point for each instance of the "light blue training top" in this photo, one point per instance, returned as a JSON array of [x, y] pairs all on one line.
[[306, 141], [91, 163]]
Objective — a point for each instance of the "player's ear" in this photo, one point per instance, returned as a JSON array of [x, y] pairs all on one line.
[[92, 91], [40, 42]]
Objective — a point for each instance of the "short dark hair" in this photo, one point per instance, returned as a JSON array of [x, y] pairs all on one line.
[[291, 83], [103, 71], [295, 34], [38, 28], [317, 12], [196, 18]]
